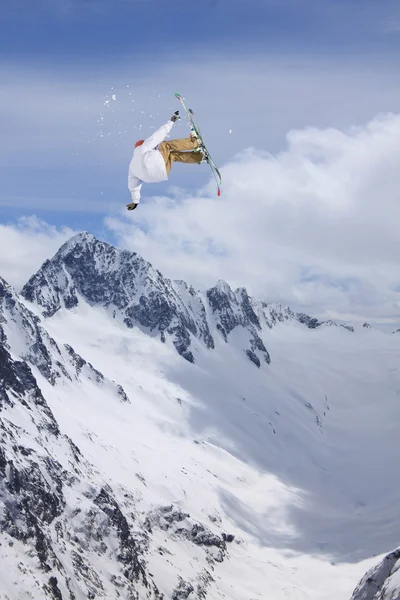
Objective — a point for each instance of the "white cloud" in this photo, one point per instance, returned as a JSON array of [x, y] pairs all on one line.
[[316, 226], [64, 137], [25, 246]]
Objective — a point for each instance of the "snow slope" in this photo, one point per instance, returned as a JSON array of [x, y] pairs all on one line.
[[225, 480], [382, 582]]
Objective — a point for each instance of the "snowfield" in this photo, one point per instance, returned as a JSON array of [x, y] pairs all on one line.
[[262, 466]]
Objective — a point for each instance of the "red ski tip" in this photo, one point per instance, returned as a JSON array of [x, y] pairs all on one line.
[[219, 192]]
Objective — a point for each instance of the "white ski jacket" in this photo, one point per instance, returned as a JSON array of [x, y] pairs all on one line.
[[147, 164]]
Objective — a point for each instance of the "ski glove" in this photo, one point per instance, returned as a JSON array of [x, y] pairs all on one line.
[[131, 206], [175, 116]]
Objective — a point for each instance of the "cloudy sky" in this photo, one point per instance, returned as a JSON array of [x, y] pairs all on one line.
[[298, 100]]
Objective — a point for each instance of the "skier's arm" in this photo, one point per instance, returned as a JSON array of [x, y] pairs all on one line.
[[157, 137], [135, 186]]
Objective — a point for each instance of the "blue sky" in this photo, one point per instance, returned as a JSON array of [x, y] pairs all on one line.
[[100, 28], [81, 80], [58, 50]]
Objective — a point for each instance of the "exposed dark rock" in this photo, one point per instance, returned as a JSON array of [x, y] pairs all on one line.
[[182, 342], [34, 486], [171, 515], [183, 590], [203, 537], [274, 314], [254, 358], [223, 332], [38, 342], [128, 552], [165, 517], [95, 271], [87, 574], [41, 351], [77, 360], [375, 582], [17, 376], [122, 394], [179, 524], [57, 510], [132, 290], [3, 338], [247, 308], [311, 322], [221, 300], [204, 581], [54, 589], [234, 309]]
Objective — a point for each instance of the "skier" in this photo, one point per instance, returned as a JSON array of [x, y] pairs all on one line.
[[152, 158]]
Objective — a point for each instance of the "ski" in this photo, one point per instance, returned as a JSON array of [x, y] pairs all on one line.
[[194, 123], [198, 131]]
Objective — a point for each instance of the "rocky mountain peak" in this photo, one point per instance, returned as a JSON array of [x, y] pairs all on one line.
[[223, 287], [83, 537], [81, 513], [382, 581], [86, 269]]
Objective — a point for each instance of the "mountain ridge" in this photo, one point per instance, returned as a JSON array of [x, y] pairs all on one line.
[[56, 505], [88, 269], [148, 476]]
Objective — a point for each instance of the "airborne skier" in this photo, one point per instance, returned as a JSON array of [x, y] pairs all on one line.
[[152, 158]]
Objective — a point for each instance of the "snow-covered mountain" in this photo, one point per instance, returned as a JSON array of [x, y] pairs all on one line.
[[128, 472], [135, 293], [381, 582], [56, 510]]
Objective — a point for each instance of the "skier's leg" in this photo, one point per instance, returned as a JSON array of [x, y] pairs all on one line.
[[190, 143], [187, 157], [175, 151], [165, 152]]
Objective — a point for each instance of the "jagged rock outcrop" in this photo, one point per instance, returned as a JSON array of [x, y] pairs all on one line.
[[382, 582], [180, 525], [54, 503], [130, 289], [53, 361], [57, 514], [72, 527], [36, 491], [123, 283], [236, 309]]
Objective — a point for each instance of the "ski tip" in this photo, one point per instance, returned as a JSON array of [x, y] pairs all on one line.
[[178, 96], [219, 191]]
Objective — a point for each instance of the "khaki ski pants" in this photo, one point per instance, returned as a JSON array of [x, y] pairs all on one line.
[[180, 151]]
